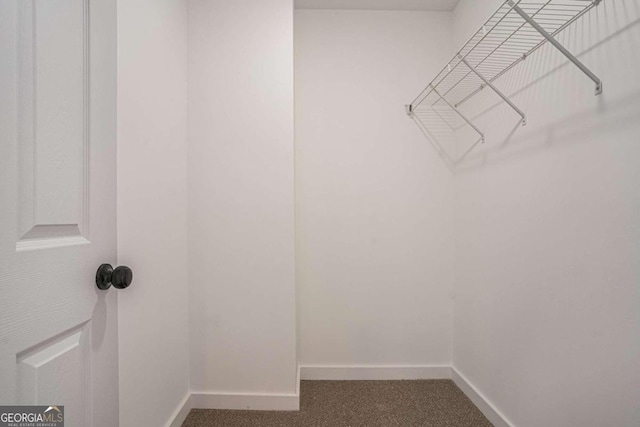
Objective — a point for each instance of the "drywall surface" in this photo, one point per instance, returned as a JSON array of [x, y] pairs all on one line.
[[374, 203], [152, 209], [241, 208], [547, 306]]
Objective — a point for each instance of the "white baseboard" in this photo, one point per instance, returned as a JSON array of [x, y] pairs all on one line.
[[245, 401], [291, 402], [486, 407], [181, 412], [372, 372]]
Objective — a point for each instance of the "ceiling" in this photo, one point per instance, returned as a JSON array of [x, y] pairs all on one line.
[[432, 5]]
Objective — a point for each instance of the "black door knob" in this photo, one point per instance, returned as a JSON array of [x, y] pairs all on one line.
[[120, 278]]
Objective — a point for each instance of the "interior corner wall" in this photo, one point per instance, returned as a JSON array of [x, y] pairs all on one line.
[[374, 202], [241, 206], [547, 306], [152, 209]]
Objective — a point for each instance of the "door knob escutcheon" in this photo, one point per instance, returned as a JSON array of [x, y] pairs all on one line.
[[120, 277]]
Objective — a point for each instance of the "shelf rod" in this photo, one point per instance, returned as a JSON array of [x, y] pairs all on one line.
[[496, 90], [459, 113], [557, 44]]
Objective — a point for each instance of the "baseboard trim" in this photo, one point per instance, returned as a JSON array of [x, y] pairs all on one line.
[[486, 407], [246, 401], [291, 402], [181, 412], [374, 372]]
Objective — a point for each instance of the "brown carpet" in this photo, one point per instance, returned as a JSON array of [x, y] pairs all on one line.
[[433, 403]]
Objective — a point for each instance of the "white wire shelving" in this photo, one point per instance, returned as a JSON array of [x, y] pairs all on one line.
[[516, 30]]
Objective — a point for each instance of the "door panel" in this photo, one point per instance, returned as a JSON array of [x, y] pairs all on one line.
[[58, 332], [57, 368], [53, 133]]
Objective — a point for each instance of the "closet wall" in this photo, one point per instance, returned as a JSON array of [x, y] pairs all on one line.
[[241, 208], [374, 203], [547, 324], [152, 210]]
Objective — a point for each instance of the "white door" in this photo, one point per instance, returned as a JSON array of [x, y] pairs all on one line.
[[58, 332]]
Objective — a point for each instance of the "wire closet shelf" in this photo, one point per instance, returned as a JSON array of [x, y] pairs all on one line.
[[516, 30]]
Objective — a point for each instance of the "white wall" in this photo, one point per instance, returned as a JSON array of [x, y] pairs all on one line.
[[152, 203], [547, 309], [241, 212], [374, 203]]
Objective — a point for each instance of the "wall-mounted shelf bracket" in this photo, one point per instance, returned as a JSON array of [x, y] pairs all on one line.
[[495, 89], [408, 109], [557, 44]]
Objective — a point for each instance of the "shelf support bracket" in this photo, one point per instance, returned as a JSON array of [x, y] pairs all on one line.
[[557, 44], [408, 109], [496, 90], [459, 113]]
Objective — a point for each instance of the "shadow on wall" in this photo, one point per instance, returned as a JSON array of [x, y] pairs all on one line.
[[556, 96], [621, 112], [451, 161]]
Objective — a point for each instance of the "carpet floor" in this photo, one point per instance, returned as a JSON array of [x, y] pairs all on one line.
[[432, 403]]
